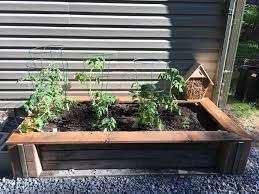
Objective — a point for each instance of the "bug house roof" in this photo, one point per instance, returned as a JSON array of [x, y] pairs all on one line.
[[197, 71]]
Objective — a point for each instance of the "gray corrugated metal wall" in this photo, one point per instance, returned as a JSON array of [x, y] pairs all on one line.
[[180, 31]]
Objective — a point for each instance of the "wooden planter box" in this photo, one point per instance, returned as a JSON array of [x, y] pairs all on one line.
[[140, 152]]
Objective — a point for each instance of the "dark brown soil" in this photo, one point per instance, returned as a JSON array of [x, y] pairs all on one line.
[[81, 117]]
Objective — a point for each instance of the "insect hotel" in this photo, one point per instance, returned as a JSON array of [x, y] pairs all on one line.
[[197, 82]]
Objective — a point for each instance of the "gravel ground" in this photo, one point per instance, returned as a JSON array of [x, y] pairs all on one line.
[[248, 183]]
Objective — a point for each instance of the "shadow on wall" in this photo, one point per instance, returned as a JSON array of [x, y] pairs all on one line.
[[196, 34]]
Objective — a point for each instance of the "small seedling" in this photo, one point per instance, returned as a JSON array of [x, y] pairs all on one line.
[[108, 124], [100, 101], [185, 123], [148, 112], [96, 64], [176, 80]]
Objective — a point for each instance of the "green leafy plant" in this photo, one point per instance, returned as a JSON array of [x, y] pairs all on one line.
[[149, 114], [108, 124], [46, 101], [101, 103], [147, 96], [177, 82], [185, 123], [151, 99], [96, 64], [251, 15], [100, 100]]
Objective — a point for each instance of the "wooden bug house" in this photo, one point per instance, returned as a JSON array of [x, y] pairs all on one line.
[[197, 82]]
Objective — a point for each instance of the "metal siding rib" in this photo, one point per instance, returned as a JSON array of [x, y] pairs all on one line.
[[106, 32], [21, 65], [114, 54], [112, 43], [69, 19], [121, 8]]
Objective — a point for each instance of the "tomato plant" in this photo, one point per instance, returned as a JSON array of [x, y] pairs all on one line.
[[100, 100], [151, 99], [46, 101]]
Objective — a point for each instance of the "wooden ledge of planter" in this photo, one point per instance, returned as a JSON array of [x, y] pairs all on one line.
[[222, 118], [123, 137], [122, 99]]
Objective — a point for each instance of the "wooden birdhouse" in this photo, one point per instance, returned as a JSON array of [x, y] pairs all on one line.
[[197, 82]]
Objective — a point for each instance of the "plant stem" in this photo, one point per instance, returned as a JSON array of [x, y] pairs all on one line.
[[90, 85], [170, 91]]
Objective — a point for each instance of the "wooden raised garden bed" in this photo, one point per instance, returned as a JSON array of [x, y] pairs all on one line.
[[134, 152]]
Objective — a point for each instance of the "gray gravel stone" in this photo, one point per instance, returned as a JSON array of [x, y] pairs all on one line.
[[3, 118], [248, 183]]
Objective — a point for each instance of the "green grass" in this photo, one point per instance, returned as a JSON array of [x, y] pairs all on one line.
[[251, 15], [248, 50], [243, 109]]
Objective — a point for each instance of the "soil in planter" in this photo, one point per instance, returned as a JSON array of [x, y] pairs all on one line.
[[81, 117]]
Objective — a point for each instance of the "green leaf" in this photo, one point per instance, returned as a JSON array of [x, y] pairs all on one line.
[[108, 124], [251, 15], [39, 124], [24, 128], [147, 90]]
